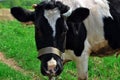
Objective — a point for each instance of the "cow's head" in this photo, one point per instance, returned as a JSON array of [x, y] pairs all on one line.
[[50, 31]]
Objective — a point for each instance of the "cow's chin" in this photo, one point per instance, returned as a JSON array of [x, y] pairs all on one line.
[[51, 65], [51, 73]]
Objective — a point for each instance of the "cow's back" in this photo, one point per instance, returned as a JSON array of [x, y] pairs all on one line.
[[103, 27]]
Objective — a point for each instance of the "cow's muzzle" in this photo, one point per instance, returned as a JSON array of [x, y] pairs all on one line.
[[54, 65]]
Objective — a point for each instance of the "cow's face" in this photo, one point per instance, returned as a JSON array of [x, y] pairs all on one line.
[[50, 31], [50, 35]]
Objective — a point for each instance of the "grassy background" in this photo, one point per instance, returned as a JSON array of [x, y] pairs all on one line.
[[23, 3], [17, 42], [7, 73]]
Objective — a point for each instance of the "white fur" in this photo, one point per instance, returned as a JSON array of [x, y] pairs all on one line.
[[81, 62], [52, 16], [51, 65], [94, 23], [52, 62]]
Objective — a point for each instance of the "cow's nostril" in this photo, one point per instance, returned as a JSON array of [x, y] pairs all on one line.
[[52, 71]]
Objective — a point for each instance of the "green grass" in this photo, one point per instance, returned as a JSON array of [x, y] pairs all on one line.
[[7, 73], [17, 42], [107, 68], [23, 3]]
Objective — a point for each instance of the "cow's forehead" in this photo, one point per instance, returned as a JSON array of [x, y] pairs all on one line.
[[50, 13], [52, 16]]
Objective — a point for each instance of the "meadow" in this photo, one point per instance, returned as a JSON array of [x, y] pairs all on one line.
[[7, 73], [12, 3], [17, 42]]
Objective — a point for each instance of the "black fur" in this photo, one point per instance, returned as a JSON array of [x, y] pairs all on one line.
[[77, 33], [76, 36], [22, 14], [78, 15], [115, 4], [52, 4], [112, 26], [63, 8]]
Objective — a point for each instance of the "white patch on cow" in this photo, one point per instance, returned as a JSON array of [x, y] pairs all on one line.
[[51, 64], [94, 23], [81, 61], [69, 54], [52, 16]]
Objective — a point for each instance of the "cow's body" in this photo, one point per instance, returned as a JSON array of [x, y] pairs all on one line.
[[97, 34], [102, 28], [101, 16], [90, 39]]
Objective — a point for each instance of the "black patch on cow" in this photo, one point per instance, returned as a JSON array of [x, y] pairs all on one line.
[[63, 8], [115, 4], [112, 28], [45, 39], [76, 36], [22, 15], [77, 33], [79, 15], [61, 31], [49, 5]]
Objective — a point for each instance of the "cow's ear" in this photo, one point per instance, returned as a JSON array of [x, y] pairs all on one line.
[[78, 15], [22, 15]]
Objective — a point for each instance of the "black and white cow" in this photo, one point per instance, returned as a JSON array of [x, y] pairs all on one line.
[[72, 30]]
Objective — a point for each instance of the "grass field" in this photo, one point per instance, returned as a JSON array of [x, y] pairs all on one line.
[[12, 3], [17, 42], [7, 73]]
